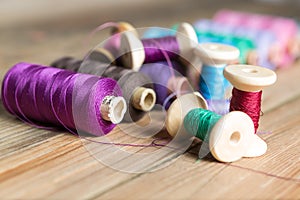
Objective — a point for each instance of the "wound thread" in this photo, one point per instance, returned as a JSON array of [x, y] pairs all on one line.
[[154, 48], [48, 97], [247, 102], [199, 122]]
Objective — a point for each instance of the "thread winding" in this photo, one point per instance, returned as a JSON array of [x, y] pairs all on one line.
[[247, 102], [153, 48], [199, 122], [212, 84], [50, 97]]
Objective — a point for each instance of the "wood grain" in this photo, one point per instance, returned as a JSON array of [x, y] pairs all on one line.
[[39, 164]]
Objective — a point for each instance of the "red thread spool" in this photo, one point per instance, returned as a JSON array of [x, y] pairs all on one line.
[[248, 82]]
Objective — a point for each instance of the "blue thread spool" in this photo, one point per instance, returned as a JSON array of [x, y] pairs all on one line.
[[214, 57], [212, 83]]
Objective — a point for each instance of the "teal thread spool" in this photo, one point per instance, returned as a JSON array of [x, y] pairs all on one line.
[[230, 137]]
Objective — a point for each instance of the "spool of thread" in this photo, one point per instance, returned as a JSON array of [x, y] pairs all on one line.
[[248, 82], [268, 55], [135, 52], [215, 57], [191, 67], [230, 137], [137, 88], [46, 96], [164, 81], [285, 30]]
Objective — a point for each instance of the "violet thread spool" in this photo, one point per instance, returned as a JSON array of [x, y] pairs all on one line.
[[137, 88], [135, 52], [230, 137], [248, 82], [165, 84], [212, 84], [43, 96]]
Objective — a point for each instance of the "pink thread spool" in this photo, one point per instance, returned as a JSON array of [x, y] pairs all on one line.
[[285, 30]]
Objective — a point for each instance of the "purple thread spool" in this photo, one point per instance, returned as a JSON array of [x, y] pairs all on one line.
[[45, 96], [134, 53], [164, 82]]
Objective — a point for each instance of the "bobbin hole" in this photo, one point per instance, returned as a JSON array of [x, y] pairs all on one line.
[[252, 71], [149, 101], [235, 137], [119, 111]]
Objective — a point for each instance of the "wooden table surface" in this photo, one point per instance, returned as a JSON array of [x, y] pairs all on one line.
[[36, 163]]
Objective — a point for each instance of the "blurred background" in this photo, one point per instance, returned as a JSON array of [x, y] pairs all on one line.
[[89, 13], [43, 30]]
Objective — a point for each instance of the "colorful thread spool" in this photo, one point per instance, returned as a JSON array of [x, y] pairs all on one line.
[[248, 82], [230, 137], [137, 88], [215, 57], [263, 40], [285, 30], [45, 96], [136, 52]]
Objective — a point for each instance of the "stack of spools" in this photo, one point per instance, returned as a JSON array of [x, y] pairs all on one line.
[[91, 95]]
